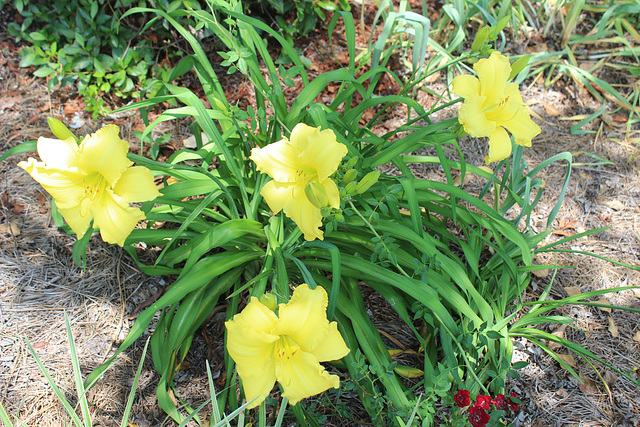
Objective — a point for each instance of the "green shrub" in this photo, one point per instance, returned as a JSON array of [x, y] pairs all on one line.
[[89, 44]]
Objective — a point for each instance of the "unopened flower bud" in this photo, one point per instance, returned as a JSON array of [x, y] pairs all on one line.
[[269, 300], [316, 194], [366, 182], [349, 176], [351, 187], [60, 130]]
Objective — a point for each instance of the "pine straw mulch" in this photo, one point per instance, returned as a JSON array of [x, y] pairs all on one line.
[[39, 282]]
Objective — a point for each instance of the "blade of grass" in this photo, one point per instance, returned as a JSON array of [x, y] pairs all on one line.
[[77, 375], [61, 396], [134, 386], [4, 417]]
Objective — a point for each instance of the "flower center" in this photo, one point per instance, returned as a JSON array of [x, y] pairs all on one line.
[[286, 348], [495, 108], [303, 176], [93, 184]]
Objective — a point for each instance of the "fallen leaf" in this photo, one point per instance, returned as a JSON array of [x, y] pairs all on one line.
[[564, 226], [568, 359], [540, 273], [573, 290], [622, 119], [432, 78], [587, 385], [10, 228], [551, 110], [40, 344], [184, 365], [41, 198], [558, 333], [604, 301], [587, 65], [17, 208], [613, 328], [610, 378], [70, 108], [537, 48], [636, 337], [616, 205]]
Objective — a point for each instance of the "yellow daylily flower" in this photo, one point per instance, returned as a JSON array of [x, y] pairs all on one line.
[[287, 347], [492, 106], [311, 156], [93, 181]]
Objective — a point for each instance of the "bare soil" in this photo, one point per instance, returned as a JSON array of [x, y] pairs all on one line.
[[39, 283]]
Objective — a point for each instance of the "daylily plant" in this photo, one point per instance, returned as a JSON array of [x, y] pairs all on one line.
[[492, 106], [301, 168], [286, 347], [93, 181]]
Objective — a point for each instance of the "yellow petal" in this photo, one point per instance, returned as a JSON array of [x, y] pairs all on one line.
[[136, 185], [465, 85], [473, 117], [318, 149], [251, 345], [512, 92], [79, 223], [278, 160], [332, 347], [306, 216], [277, 196], [333, 194], [65, 184], [499, 145], [56, 152], [515, 117], [304, 317], [302, 376], [104, 152], [114, 217], [493, 73]]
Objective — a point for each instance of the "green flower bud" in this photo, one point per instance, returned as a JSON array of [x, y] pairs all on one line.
[[349, 176], [350, 188], [366, 182], [269, 300], [458, 130], [352, 161], [316, 194], [60, 130]]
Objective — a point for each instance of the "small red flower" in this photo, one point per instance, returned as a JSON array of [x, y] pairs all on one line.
[[462, 398], [478, 416], [500, 402], [483, 402], [513, 404]]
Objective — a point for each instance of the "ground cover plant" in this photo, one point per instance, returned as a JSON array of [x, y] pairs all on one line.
[[453, 265]]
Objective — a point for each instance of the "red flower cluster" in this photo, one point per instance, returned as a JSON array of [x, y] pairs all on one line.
[[478, 415], [462, 398]]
